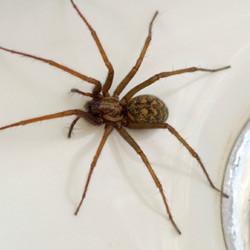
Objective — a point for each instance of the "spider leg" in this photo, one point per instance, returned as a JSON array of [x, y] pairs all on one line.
[[76, 112], [107, 131], [104, 56], [157, 77], [57, 65], [81, 92], [157, 182], [138, 63], [72, 126], [195, 155]]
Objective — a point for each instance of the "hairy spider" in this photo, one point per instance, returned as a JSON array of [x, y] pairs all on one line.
[[133, 112]]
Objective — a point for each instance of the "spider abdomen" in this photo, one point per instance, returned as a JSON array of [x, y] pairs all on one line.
[[147, 109]]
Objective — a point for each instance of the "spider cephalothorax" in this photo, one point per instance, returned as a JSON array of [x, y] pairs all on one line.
[[109, 109], [131, 111]]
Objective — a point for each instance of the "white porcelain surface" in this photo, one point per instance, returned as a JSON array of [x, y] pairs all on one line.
[[42, 172]]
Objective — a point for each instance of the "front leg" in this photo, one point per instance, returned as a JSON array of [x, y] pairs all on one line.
[[58, 66], [103, 54], [138, 63]]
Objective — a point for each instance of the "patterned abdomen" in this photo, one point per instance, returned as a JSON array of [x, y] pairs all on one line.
[[147, 109]]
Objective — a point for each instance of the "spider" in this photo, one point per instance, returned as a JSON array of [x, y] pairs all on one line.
[[114, 113]]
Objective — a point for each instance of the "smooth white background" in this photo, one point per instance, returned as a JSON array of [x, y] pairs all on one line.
[[42, 172]]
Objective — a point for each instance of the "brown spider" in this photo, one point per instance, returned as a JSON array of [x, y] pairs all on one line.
[[139, 112]]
